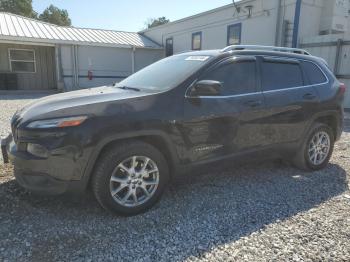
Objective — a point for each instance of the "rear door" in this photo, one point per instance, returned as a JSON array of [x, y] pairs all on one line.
[[219, 126], [290, 100]]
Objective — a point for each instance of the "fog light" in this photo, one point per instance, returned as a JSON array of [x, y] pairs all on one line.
[[37, 150]]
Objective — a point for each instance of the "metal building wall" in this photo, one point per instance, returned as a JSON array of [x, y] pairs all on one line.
[[45, 76], [106, 64], [145, 57]]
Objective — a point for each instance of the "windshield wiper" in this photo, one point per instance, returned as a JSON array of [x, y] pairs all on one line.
[[129, 88]]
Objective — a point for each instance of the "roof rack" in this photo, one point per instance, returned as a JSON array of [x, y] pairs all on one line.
[[266, 48]]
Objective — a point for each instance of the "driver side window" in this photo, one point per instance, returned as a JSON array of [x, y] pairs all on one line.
[[236, 78]]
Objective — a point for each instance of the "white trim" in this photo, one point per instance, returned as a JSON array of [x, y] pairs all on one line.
[[24, 43], [256, 93], [52, 42], [133, 60], [57, 64], [230, 96], [291, 88], [23, 61]]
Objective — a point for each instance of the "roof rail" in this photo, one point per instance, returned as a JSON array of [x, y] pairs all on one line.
[[266, 48]]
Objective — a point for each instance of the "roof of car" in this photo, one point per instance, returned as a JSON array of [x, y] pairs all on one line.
[[217, 53], [279, 54]]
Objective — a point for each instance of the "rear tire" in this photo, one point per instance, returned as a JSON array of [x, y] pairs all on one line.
[[130, 178], [316, 149]]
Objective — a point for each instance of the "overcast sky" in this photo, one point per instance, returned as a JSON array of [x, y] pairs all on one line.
[[126, 15]]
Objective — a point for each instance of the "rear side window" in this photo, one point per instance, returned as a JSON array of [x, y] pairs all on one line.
[[313, 73], [280, 75], [236, 78]]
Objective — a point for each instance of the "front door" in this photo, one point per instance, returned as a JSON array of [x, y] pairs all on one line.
[[215, 127]]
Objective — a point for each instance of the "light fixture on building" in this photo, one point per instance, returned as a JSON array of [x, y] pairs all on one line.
[[266, 12], [249, 8]]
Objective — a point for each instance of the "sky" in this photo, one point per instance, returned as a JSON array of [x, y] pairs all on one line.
[[126, 15]]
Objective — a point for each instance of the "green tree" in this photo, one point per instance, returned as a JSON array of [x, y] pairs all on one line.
[[19, 7], [56, 16], [153, 22]]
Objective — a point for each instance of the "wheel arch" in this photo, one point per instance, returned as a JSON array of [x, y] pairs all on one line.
[[331, 119], [155, 138]]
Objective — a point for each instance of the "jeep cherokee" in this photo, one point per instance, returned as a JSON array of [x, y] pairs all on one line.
[[127, 140]]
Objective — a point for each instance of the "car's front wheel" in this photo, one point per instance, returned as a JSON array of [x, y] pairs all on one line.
[[316, 149], [130, 178]]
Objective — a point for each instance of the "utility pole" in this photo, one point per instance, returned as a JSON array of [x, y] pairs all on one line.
[[296, 24]]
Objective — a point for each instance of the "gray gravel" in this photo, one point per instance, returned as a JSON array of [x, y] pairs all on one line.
[[255, 212], [9, 104]]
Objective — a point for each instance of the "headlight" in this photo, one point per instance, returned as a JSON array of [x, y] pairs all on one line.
[[58, 122]]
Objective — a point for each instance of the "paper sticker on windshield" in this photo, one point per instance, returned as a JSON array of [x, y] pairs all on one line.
[[197, 58]]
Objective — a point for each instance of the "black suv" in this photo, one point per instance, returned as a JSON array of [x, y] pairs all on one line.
[[127, 140]]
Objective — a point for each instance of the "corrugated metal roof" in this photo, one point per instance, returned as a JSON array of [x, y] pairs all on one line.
[[15, 27]]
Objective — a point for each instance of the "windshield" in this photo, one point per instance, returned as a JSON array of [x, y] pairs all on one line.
[[166, 73]]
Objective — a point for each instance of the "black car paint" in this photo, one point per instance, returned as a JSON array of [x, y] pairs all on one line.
[[189, 130]]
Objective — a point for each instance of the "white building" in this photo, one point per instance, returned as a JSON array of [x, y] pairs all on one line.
[[39, 56], [262, 22]]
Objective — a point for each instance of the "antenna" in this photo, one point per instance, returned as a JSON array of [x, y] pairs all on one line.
[[238, 9]]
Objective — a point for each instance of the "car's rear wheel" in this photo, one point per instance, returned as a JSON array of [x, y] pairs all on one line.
[[317, 148], [130, 178]]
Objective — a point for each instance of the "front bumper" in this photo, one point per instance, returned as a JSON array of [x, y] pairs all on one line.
[[37, 174], [4, 142]]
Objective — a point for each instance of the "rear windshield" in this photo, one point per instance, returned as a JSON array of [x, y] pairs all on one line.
[[166, 73]]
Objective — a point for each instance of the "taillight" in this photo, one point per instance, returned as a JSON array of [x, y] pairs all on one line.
[[342, 88]]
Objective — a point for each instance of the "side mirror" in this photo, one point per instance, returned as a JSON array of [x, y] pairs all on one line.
[[206, 88]]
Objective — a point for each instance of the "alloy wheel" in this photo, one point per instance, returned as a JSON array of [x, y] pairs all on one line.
[[134, 181], [319, 148]]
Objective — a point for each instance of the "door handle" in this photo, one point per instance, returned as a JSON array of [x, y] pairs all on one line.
[[253, 103], [309, 96]]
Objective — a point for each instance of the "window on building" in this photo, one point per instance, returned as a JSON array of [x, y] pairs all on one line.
[[169, 47], [197, 41], [281, 75], [313, 73], [22, 60], [234, 34], [236, 77]]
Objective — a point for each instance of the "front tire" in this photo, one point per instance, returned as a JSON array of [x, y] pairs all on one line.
[[130, 178], [316, 149]]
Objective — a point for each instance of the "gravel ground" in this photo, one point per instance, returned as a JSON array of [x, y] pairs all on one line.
[[255, 212], [8, 106]]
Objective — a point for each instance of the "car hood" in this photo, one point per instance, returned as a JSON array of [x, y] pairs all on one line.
[[65, 103]]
